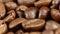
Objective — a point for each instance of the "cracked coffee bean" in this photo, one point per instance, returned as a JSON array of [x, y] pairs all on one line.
[[11, 16]]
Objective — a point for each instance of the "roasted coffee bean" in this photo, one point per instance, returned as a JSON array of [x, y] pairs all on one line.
[[48, 32], [33, 25], [11, 5], [35, 33], [55, 14], [55, 3], [43, 12], [16, 22], [29, 12], [4, 1], [59, 7], [20, 10], [42, 3], [10, 33], [52, 25], [57, 31], [3, 27], [19, 32], [11, 16], [2, 10], [26, 2]]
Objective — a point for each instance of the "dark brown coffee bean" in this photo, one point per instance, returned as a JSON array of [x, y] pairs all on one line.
[[42, 3], [26, 2], [57, 31], [2, 10], [43, 12], [52, 25], [16, 22], [5, 1], [10, 33], [11, 5], [48, 32], [33, 25], [59, 7], [19, 32], [55, 14], [35, 33], [11, 16], [3, 27]]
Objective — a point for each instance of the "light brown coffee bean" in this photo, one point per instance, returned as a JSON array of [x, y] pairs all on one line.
[[2, 10], [11, 16], [43, 12], [11, 5], [52, 25]]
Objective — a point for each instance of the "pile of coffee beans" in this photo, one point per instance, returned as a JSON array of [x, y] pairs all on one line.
[[29, 16]]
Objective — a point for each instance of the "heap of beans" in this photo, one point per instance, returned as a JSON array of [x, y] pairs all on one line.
[[29, 16]]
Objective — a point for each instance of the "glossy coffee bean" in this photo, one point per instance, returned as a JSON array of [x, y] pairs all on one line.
[[15, 22], [3, 27], [2, 10], [43, 12], [11, 16], [11, 5], [48, 32], [42, 3], [55, 14], [52, 25], [55, 3], [26, 2], [33, 25], [20, 10], [30, 13]]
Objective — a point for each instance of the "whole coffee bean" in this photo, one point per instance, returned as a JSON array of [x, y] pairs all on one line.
[[43, 12], [11, 5], [3, 27], [19, 32], [26, 2], [10, 33], [55, 3], [2, 10], [57, 31], [59, 7], [30, 13], [52, 25], [55, 14], [20, 10], [48, 32], [11, 16], [16, 22], [42, 3], [35, 33], [33, 25], [4, 1]]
